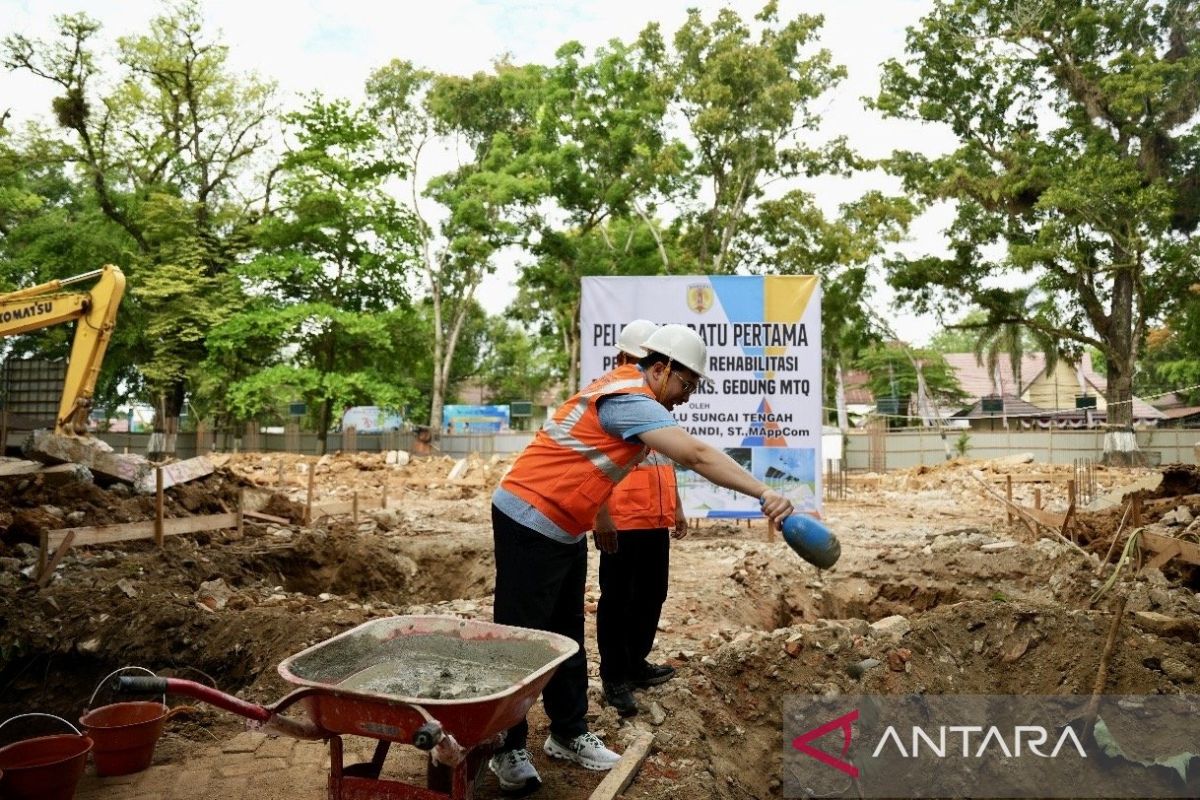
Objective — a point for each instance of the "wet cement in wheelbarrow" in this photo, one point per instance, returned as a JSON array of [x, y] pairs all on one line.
[[427, 666]]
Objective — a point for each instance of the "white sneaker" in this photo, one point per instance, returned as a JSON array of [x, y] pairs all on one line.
[[516, 772], [586, 749]]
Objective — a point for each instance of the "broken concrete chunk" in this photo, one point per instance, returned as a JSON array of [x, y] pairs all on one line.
[[214, 594], [66, 474], [895, 626], [1117, 496], [856, 671], [12, 467], [1176, 670], [1164, 625], [175, 473], [1016, 458]]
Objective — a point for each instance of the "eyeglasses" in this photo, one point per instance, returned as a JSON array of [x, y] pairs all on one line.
[[688, 386]]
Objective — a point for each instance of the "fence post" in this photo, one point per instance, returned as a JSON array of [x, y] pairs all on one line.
[[1008, 494], [308, 503], [158, 505]]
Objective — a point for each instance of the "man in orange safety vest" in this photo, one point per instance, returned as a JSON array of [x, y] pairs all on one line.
[[550, 499]]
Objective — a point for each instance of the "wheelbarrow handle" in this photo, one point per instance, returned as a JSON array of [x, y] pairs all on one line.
[[139, 684], [198, 691]]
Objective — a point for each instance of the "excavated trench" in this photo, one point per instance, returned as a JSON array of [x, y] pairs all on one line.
[[221, 612]]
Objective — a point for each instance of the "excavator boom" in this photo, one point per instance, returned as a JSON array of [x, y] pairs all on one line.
[[95, 312]]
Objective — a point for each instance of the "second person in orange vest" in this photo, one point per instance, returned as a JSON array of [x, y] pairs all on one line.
[[549, 500], [633, 532]]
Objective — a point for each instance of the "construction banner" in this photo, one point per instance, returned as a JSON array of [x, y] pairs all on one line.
[[762, 401]]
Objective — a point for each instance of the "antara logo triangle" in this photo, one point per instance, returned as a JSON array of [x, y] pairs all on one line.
[[845, 724]]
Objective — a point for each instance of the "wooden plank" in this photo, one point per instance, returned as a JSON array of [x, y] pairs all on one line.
[[266, 517], [1030, 478], [60, 551], [619, 778], [336, 508], [1188, 551], [331, 509], [1043, 517], [1162, 557], [105, 534]]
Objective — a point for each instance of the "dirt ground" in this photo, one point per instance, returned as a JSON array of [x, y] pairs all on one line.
[[935, 593]]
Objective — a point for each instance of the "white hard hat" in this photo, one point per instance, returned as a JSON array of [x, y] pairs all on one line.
[[682, 345], [633, 335]]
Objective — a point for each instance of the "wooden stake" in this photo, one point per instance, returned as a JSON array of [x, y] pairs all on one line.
[[1037, 498], [354, 508], [1116, 537], [280, 482], [158, 506], [312, 476], [383, 496], [1136, 522], [241, 512], [619, 778], [43, 551], [1110, 644], [1071, 492], [47, 572], [1008, 495]]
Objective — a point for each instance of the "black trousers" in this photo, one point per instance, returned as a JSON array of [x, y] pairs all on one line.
[[540, 585], [633, 588]]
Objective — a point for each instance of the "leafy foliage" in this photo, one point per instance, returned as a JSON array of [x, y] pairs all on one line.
[[1077, 153]]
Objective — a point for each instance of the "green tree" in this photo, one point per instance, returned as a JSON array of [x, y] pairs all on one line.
[[164, 142], [748, 102], [1171, 360], [892, 370], [419, 111], [593, 132], [1077, 153], [959, 337], [793, 236], [333, 264], [515, 365]]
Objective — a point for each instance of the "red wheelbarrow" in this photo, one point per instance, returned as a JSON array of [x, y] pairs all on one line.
[[447, 685]]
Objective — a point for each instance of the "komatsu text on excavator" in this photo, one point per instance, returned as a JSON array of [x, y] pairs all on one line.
[[96, 312]]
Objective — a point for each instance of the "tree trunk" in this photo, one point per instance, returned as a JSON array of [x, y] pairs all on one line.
[[843, 416], [323, 426], [1120, 445]]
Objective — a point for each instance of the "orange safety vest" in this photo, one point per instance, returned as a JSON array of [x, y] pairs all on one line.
[[646, 498], [572, 464]]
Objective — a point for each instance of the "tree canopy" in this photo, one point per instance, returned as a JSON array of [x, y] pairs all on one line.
[[1076, 166]]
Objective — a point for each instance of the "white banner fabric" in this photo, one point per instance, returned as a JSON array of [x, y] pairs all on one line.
[[762, 402]]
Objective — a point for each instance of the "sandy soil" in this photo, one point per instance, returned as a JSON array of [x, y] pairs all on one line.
[[746, 622]]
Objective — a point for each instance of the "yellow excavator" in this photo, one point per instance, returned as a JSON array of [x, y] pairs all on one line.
[[96, 311]]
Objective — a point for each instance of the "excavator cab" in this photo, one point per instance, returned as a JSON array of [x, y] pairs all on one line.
[[95, 314]]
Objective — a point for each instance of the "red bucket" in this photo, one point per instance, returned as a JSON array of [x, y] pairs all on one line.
[[43, 768], [125, 735]]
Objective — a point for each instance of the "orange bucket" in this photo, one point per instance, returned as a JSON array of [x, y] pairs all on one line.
[[125, 735], [45, 767]]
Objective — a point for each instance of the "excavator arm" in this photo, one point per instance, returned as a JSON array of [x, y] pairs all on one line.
[[96, 312]]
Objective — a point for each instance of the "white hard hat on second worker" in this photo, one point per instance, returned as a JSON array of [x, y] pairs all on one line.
[[633, 335], [682, 345]]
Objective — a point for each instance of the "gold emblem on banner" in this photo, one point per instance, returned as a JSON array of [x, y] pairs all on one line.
[[700, 297]]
